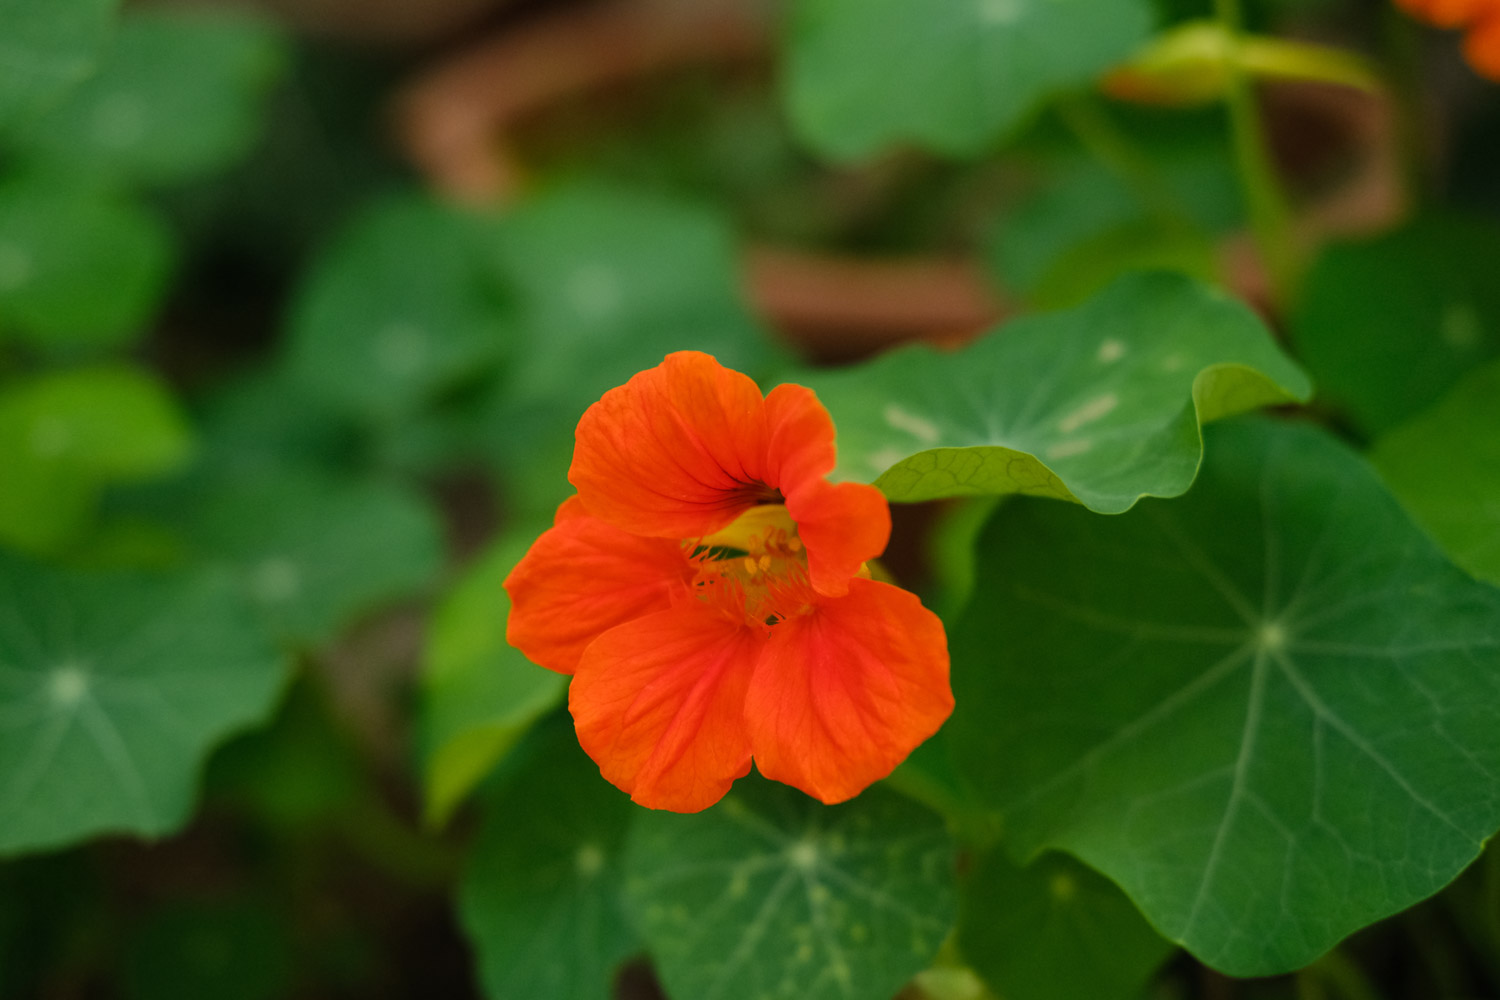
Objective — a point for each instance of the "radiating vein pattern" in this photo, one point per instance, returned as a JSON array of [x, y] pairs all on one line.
[[1269, 730]]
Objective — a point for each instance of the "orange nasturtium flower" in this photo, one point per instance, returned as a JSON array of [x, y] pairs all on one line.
[[1481, 19], [706, 588]]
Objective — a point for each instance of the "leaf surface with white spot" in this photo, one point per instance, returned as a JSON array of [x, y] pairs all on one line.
[[113, 687], [1101, 404], [1268, 710], [770, 894]]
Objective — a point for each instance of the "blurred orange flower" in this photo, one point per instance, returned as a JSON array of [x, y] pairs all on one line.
[[707, 590], [1481, 19]]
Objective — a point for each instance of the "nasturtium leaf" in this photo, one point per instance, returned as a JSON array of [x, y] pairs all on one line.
[[540, 900], [113, 687], [404, 304], [1101, 404], [479, 694], [950, 75], [609, 281], [1387, 326], [314, 551], [178, 94], [47, 47], [1444, 467], [1268, 710], [1054, 930], [770, 894], [65, 435], [78, 267]]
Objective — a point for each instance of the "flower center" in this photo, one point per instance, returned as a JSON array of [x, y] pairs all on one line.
[[756, 568]]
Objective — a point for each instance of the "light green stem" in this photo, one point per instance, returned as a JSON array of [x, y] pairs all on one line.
[[1270, 217]]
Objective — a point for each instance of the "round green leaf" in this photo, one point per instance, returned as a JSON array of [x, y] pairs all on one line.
[[46, 48], [540, 900], [1054, 930], [77, 267], [64, 436], [950, 75], [1389, 325], [770, 894], [1101, 404], [1269, 710], [113, 687], [479, 694], [1444, 467], [403, 305], [178, 94], [313, 551]]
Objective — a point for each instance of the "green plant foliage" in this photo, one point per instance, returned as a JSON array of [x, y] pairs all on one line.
[[951, 75], [113, 687], [46, 48], [313, 551], [64, 436], [234, 950], [770, 894], [479, 694], [1101, 404], [1054, 930], [1269, 710], [59, 239], [178, 94], [1444, 467], [403, 305], [541, 898], [1387, 326]]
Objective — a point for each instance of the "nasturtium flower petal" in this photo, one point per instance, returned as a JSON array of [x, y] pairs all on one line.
[[843, 526], [659, 704], [583, 577], [842, 694]]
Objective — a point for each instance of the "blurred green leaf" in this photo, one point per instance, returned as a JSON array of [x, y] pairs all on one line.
[[47, 47], [1269, 710], [231, 950], [64, 436], [113, 687], [1054, 930], [178, 94], [1101, 404], [770, 894], [78, 267], [541, 900], [479, 694], [404, 304], [1389, 325], [951, 75], [313, 551], [1444, 467]]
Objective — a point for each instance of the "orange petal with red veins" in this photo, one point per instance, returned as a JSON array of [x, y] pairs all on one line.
[[583, 577], [843, 526], [659, 704], [676, 452], [841, 695], [800, 448]]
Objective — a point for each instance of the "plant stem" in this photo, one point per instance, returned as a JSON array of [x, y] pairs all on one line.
[[1270, 216]]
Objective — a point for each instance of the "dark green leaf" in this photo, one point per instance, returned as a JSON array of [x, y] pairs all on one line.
[[1269, 710], [479, 694], [769, 894], [1389, 325], [541, 900], [951, 75], [178, 94], [1054, 930], [1101, 404], [113, 687], [77, 267], [1444, 466], [236, 950], [46, 48], [403, 305]]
